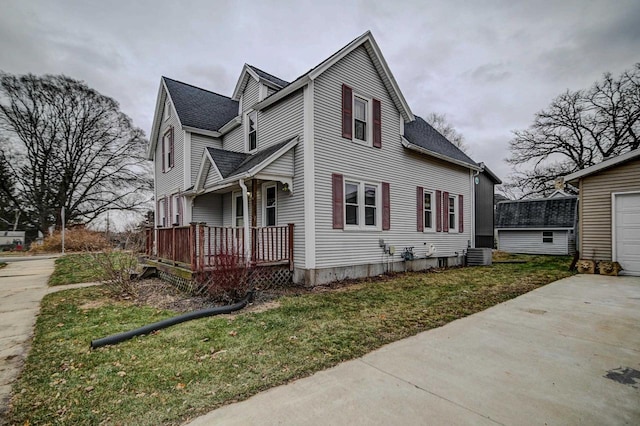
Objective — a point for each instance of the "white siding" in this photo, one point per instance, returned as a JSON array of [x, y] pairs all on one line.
[[281, 121], [234, 140], [208, 208], [227, 220], [198, 144], [250, 95], [282, 166], [403, 169], [291, 206], [212, 176], [172, 180], [530, 242]]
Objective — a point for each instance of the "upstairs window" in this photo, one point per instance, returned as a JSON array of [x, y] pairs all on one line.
[[252, 131], [360, 107], [361, 118], [167, 110], [167, 150], [428, 211]]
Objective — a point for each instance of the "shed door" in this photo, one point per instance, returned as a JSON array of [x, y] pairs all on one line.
[[627, 232]]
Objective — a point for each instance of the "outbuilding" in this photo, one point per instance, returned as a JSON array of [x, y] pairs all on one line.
[[540, 226], [610, 211]]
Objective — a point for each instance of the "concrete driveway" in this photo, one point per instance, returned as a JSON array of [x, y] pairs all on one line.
[[567, 353]]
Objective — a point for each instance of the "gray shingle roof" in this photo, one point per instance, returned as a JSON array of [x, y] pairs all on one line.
[[557, 212], [269, 77], [235, 163], [420, 133], [200, 108]]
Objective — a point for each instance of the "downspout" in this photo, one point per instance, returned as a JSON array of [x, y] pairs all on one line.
[[245, 215]]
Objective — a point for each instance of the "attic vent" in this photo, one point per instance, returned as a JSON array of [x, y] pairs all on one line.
[[478, 256]]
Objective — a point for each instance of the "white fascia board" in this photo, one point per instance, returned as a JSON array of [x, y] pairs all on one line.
[[246, 70], [203, 132], [602, 166], [367, 37], [157, 118], [425, 151], [296, 85], [534, 229], [230, 125]]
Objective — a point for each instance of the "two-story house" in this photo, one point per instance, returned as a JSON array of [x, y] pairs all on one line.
[[337, 152]]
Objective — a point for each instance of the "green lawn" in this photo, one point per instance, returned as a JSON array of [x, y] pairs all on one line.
[[81, 268], [187, 370]]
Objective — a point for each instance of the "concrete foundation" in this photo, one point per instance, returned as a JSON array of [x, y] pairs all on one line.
[[313, 277]]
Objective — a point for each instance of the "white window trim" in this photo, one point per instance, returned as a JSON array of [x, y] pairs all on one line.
[[369, 122], [361, 206], [432, 228], [167, 110], [235, 195], [455, 213], [246, 130], [161, 213], [175, 200], [166, 143], [266, 186]]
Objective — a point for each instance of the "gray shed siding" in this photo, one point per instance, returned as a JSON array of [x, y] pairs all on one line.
[[172, 180], [404, 170], [595, 207], [198, 144], [530, 242]]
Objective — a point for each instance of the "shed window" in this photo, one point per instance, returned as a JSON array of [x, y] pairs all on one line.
[[547, 236]]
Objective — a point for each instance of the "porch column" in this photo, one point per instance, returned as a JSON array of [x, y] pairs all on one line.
[[245, 215]]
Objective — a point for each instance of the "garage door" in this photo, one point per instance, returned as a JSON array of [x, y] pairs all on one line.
[[627, 232]]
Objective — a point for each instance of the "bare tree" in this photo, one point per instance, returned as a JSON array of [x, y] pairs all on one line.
[[66, 145], [579, 129], [441, 123]]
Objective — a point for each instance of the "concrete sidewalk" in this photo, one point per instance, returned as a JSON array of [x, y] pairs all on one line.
[[567, 353], [23, 284]]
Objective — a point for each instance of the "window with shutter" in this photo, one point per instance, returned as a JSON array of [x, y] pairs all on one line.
[[361, 118], [347, 115], [377, 124], [419, 209], [460, 213]]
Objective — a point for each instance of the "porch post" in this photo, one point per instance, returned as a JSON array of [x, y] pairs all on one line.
[[290, 229], [245, 215], [192, 244]]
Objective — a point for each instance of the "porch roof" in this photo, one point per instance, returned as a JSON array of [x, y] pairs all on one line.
[[232, 166]]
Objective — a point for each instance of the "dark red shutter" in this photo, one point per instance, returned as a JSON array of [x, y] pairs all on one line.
[[337, 190], [420, 208], [438, 211], [445, 218], [347, 111], [163, 152], [460, 214], [386, 207], [377, 124], [171, 151]]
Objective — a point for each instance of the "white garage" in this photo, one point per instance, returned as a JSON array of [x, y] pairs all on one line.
[[626, 231]]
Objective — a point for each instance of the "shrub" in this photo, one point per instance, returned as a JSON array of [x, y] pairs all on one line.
[[75, 239], [228, 281]]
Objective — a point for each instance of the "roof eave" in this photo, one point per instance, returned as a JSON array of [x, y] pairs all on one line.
[[155, 127], [246, 69], [282, 93], [574, 177], [428, 152]]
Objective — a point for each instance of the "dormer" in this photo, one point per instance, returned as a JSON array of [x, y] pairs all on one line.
[[255, 85]]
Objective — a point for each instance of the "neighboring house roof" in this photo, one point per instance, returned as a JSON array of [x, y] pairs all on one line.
[[269, 77], [559, 212], [200, 108], [422, 134], [611, 162]]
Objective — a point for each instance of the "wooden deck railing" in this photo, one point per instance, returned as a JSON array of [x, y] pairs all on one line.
[[199, 247]]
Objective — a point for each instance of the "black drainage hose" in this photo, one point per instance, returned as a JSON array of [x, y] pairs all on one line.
[[208, 312]]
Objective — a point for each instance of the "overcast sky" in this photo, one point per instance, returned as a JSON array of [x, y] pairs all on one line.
[[488, 65]]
